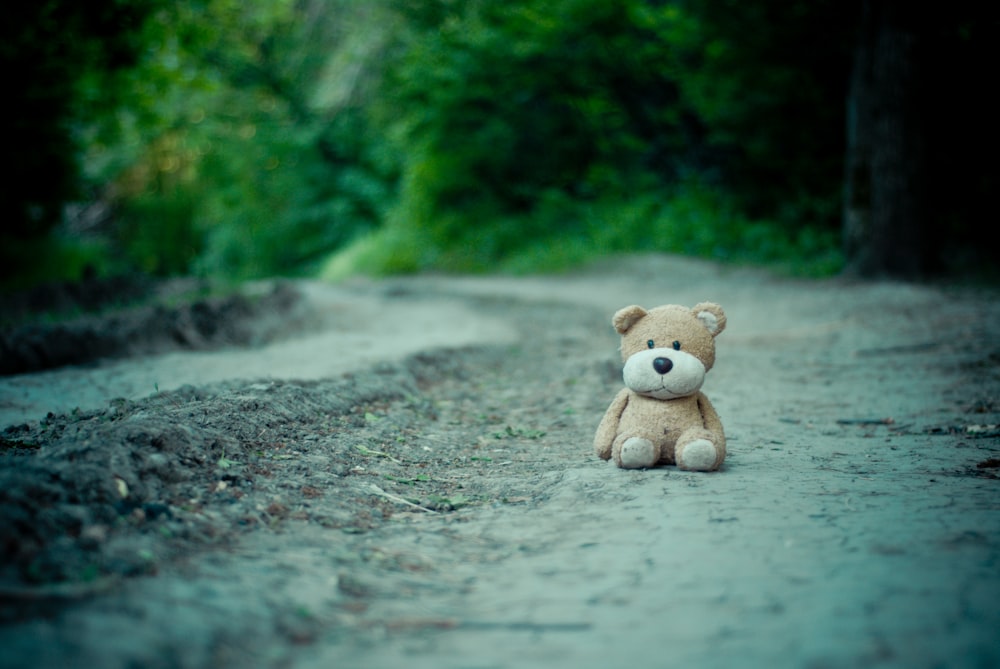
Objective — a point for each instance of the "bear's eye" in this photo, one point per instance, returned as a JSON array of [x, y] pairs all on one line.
[[677, 346], [651, 344]]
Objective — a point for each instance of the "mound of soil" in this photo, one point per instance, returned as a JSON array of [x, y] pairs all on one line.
[[89, 498], [123, 317], [92, 496], [89, 294]]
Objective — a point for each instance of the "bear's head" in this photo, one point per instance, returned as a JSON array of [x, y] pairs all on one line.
[[667, 350]]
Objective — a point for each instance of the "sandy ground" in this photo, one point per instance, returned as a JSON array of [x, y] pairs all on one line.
[[430, 498]]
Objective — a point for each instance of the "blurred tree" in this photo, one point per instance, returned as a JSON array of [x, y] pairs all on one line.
[[923, 136], [254, 156], [247, 139], [506, 108], [62, 61], [768, 80], [515, 120], [499, 110], [51, 52]]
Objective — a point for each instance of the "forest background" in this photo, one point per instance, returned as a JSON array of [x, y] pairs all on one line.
[[329, 137]]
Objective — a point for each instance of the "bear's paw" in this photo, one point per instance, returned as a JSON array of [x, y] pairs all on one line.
[[699, 455], [637, 453]]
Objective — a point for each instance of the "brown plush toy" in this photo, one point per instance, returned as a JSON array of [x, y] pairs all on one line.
[[661, 416]]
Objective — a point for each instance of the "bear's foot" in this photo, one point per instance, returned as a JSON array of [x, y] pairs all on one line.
[[699, 455], [637, 453]]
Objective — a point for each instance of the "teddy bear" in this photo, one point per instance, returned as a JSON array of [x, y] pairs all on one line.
[[661, 416]]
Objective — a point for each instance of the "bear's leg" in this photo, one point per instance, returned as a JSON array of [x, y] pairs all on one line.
[[636, 453], [699, 450]]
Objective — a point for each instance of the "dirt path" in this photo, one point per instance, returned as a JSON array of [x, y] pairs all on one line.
[[413, 486]]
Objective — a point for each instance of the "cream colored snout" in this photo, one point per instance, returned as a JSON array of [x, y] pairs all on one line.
[[664, 373]]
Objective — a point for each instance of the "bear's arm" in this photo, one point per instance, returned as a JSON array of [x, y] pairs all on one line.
[[711, 419], [608, 428]]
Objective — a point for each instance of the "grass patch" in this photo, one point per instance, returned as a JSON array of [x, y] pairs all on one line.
[[560, 234], [518, 433]]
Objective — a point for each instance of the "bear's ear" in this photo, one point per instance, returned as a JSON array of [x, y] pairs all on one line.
[[711, 316], [627, 317]]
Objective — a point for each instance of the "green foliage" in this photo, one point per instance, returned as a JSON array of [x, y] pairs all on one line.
[[508, 102], [537, 134], [62, 62], [768, 81], [696, 221], [239, 171], [287, 136], [52, 258], [158, 234]]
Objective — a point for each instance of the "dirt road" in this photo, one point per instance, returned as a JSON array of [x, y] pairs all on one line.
[[412, 485]]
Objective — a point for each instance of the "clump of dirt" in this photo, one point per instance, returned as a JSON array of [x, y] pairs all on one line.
[[166, 470], [118, 318]]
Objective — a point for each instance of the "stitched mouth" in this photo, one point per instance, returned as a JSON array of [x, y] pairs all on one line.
[[660, 390], [673, 392]]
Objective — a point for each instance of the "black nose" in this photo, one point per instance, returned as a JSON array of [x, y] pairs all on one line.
[[663, 365]]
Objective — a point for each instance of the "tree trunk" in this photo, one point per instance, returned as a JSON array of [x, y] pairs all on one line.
[[858, 167], [884, 213]]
